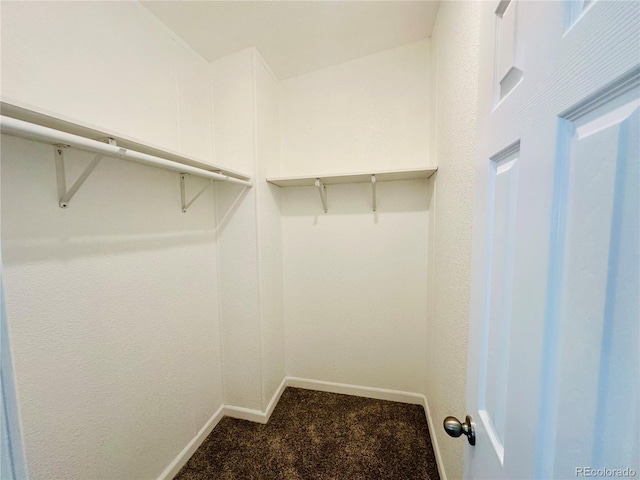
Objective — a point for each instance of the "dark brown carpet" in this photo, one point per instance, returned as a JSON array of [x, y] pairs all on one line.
[[317, 435]]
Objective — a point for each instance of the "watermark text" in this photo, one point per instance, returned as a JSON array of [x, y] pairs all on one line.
[[589, 472]]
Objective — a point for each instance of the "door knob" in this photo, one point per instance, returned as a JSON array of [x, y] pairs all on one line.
[[454, 428]]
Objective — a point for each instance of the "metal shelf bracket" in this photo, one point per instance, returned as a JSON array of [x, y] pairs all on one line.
[[373, 192], [64, 195], [322, 189], [185, 204]]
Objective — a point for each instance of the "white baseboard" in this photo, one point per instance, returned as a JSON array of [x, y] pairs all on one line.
[[358, 391], [434, 440], [182, 458], [256, 415], [276, 398], [245, 414]]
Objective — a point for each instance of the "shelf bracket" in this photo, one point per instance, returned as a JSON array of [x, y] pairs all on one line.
[[64, 195], [183, 192], [373, 192], [322, 189]]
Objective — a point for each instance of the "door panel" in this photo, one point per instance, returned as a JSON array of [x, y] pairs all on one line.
[[498, 278], [592, 326], [554, 326], [507, 50]]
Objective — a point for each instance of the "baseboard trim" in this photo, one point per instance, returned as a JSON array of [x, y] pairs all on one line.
[[357, 390], [256, 415], [245, 414], [434, 440], [184, 456], [276, 398]]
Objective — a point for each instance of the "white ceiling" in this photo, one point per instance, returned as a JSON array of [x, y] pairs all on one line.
[[297, 37]]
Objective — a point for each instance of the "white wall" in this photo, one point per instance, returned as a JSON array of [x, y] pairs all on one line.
[[112, 303], [355, 284], [110, 64], [112, 314], [455, 45], [370, 113], [356, 281], [245, 107]]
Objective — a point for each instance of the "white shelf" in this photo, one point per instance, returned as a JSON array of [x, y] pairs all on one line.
[[339, 178], [28, 113], [371, 177]]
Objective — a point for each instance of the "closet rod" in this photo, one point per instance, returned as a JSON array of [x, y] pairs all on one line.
[[20, 128]]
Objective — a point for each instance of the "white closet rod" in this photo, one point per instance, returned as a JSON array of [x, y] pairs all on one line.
[[21, 128]]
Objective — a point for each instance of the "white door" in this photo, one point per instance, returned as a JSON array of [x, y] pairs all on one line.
[[553, 374]]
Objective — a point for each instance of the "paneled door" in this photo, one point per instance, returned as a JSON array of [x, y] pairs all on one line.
[[553, 373]]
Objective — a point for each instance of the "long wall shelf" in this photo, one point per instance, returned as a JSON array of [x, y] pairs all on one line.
[[35, 115], [62, 134], [338, 178], [320, 181]]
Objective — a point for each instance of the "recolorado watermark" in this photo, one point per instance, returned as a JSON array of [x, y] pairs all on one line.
[[605, 472]]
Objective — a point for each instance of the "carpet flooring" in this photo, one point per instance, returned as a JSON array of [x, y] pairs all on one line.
[[318, 435]]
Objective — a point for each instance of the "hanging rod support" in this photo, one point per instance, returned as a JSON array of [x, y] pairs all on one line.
[[13, 126], [109, 140], [64, 195], [183, 192], [322, 189], [373, 192]]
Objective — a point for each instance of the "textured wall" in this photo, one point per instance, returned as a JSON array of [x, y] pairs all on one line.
[[368, 113], [110, 64], [112, 303], [455, 53], [112, 314], [355, 283], [355, 280]]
